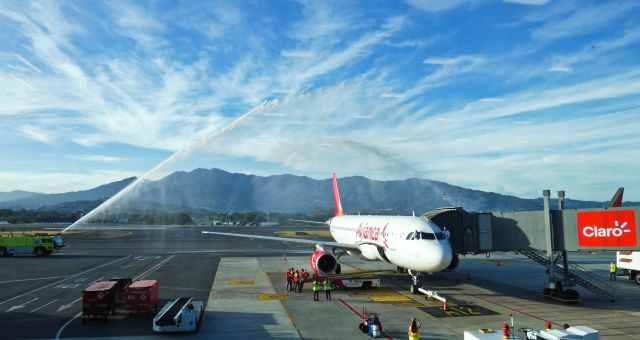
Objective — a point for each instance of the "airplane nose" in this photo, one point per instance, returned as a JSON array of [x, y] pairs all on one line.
[[445, 256]]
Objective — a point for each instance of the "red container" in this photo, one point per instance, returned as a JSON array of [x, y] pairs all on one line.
[[142, 296], [99, 299], [121, 291]]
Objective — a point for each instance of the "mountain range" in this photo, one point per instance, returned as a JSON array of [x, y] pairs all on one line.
[[204, 191]]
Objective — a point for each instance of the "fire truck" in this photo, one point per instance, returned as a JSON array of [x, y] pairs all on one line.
[[32, 245]]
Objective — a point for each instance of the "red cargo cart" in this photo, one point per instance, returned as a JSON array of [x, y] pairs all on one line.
[[98, 300], [142, 296]]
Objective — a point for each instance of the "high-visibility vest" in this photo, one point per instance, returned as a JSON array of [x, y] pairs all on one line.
[[612, 268], [327, 285], [414, 336], [316, 286]]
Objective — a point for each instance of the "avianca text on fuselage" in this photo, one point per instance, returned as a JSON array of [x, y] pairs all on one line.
[[366, 232]]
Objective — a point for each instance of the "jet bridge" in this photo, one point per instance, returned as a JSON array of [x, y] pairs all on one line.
[[545, 237]]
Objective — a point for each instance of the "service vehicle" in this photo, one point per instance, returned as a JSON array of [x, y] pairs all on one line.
[[181, 315], [356, 283], [33, 245], [629, 261]]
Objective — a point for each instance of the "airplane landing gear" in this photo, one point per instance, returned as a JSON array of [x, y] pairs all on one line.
[[416, 282]]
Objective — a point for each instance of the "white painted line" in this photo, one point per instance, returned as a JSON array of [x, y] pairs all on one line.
[[34, 279], [127, 266], [63, 307], [154, 268], [57, 282], [45, 305], [65, 325], [20, 306]]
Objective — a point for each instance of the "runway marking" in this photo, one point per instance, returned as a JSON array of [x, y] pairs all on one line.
[[20, 306], [65, 326], [127, 266], [154, 268], [360, 315], [58, 282], [242, 283], [35, 279], [45, 305], [266, 297], [466, 310], [63, 307], [390, 298]]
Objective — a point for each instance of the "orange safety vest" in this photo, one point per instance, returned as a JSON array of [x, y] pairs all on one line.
[[296, 277]]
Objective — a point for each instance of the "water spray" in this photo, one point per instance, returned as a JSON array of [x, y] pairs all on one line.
[[176, 156]]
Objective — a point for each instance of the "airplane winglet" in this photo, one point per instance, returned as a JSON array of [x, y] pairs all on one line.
[[336, 198]]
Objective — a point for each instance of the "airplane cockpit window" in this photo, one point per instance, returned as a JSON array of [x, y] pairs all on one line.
[[410, 236], [440, 235], [427, 236]]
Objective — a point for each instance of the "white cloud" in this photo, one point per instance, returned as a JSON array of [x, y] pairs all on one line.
[[560, 68], [297, 54], [98, 158], [58, 182], [528, 2], [437, 5], [37, 134], [26, 62]]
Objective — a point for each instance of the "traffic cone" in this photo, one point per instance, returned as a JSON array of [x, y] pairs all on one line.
[[446, 306], [547, 324], [505, 331]]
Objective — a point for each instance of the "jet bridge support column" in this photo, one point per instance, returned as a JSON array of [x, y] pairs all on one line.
[[548, 236], [565, 262]]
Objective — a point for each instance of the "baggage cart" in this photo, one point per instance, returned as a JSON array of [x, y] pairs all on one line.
[[142, 296]]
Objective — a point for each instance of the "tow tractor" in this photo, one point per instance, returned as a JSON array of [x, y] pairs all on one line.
[[181, 315]]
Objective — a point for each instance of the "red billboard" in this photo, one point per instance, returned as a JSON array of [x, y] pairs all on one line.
[[610, 228]]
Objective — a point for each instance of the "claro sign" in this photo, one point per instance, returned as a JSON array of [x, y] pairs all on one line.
[[611, 228]]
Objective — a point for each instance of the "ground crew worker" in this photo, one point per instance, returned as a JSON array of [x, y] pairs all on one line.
[[304, 275], [316, 276], [414, 329], [296, 281], [446, 233], [327, 289], [612, 271], [316, 290], [289, 279]]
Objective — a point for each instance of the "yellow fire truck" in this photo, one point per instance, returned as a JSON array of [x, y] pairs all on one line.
[[36, 245]]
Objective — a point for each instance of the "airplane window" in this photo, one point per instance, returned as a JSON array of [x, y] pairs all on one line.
[[440, 236], [427, 236], [410, 236]]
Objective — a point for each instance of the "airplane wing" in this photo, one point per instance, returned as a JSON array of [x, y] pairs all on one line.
[[328, 244], [308, 222]]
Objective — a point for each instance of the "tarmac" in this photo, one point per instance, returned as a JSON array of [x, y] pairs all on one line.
[[242, 282]]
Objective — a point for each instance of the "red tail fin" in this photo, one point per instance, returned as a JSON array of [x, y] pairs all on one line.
[[616, 200], [337, 206]]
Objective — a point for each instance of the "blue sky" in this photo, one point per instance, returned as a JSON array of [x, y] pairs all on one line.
[[506, 96]]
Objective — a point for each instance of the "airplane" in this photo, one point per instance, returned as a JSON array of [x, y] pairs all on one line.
[[409, 242]]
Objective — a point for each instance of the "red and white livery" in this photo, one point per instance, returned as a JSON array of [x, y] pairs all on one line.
[[410, 242]]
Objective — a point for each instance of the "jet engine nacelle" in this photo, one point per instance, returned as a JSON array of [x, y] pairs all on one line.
[[322, 262]]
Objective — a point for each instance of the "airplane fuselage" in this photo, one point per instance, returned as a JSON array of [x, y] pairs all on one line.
[[406, 241]]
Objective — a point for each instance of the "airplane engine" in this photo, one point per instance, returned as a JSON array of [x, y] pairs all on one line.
[[324, 263], [455, 261]]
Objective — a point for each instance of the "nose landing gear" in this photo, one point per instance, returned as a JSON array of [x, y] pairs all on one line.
[[415, 284]]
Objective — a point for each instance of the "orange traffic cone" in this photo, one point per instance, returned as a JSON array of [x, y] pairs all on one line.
[[446, 306]]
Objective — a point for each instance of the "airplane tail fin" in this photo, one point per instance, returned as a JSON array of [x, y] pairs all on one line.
[[336, 198], [616, 200]]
